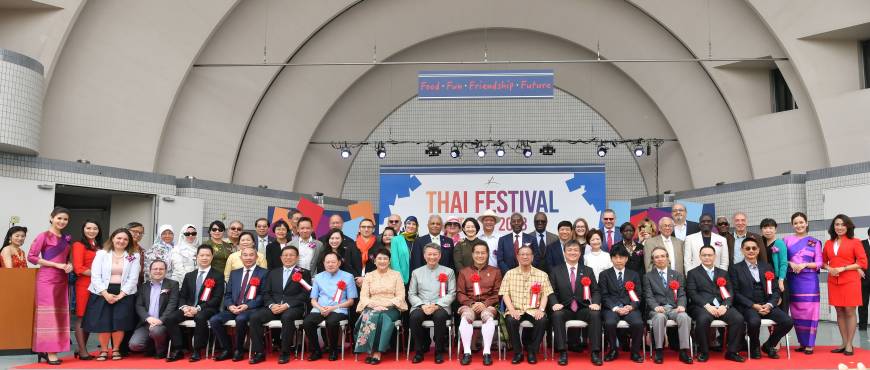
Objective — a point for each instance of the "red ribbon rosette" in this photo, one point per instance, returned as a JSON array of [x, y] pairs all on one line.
[[475, 280], [297, 277], [206, 293], [536, 292], [252, 287], [340, 287], [769, 277], [675, 286], [586, 282], [442, 280], [722, 283], [629, 286]]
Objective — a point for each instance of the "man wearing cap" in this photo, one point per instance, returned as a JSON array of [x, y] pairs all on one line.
[[488, 220]]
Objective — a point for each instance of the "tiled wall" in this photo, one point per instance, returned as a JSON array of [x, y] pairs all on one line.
[[21, 94]]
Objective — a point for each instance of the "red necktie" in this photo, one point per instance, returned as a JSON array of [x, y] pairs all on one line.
[[609, 239], [573, 288], [516, 244], [242, 292]]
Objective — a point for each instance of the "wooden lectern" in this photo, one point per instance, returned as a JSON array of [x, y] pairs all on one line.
[[17, 290]]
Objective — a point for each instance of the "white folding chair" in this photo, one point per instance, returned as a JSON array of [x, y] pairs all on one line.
[[429, 324], [766, 323], [342, 324], [276, 324], [622, 324], [670, 324], [190, 324], [570, 324], [525, 324], [476, 325]]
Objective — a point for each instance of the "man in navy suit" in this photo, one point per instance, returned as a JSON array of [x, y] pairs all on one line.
[[242, 298], [618, 303], [509, 244], [611, 233], [555, 255], [435, 225]]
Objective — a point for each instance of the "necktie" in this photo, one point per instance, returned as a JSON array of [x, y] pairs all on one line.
[[609, 239], [573, 289], [262, 245], [619, 279], [541, 243], [516, 244], [664, 279], [710, 274], [199, 280], [242, 292], [286, 276]]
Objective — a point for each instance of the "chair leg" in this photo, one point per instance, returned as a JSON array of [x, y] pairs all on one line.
[[450, 343], [343, 333], [408, 347]]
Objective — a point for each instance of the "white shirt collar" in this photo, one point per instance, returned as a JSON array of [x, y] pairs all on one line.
[[207, 269], [713, 268], [576, 267], [617, 271], [660, 270]]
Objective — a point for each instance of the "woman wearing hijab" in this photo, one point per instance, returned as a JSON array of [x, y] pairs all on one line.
[[183, 255], [410, 230], [161, 250]]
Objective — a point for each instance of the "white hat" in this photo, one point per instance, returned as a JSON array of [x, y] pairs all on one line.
[[488, 213]]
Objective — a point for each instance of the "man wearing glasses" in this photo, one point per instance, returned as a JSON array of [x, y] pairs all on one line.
[[611, 235], [395, 221]]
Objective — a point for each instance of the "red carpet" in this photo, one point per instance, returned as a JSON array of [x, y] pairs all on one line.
[[822, 359]]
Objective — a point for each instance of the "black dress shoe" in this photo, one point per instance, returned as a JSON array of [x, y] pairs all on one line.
[[636, 357], [612, 355], [314, 356], [418, 358], [196, 356], [703, 357], [734, 356], [175, 356], [238, 356], [839, 350], [658, 356], [849, 353], [563, 358], [685, 356], [487, 360], [333, 356], [160, 355], [368, 359], [596, 358], [376, 361], [769, 350], [258, 357], [224, 355], [466, 359], [518, 357], [532, 358], [439, 358], [755, 354]]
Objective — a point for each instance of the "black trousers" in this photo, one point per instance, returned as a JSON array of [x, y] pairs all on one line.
[[263, 317], [784, 323], [513, 327], [703, 319], [314, 319], [200, 332], [865, 294], [635, 327], [220, 331], [593, 328], [421, 335]]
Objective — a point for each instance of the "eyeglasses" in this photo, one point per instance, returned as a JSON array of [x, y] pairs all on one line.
[[394, 221], [722, 224], [236, 228], [189, 234], [216, 230], [751, 248], [134, 232], [366, 227], [608, 219]]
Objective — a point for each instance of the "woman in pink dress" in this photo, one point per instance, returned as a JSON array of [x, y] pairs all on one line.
[[50, 250]]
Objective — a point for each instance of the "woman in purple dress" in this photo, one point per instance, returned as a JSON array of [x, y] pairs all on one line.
[[804, 262], [50, 250]]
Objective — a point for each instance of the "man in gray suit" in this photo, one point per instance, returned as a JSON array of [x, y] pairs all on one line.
[[669, 242], [665, 296], [157, 298]]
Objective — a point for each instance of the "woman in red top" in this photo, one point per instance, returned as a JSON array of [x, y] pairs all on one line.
[[844, 257], [83, 252], [11, 254]]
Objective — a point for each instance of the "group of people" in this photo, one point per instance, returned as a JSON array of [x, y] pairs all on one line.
[[686, 274]]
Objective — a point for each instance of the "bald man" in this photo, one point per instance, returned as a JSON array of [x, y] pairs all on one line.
[[435, 225]]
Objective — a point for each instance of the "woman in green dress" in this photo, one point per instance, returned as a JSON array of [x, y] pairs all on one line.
[[222, 248]]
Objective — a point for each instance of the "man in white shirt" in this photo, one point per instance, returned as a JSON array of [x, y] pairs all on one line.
[[305, 243], [488, 220], [667, 241], [682, 227]]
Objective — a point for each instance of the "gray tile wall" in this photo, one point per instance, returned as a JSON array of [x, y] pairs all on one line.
[[21, 94]]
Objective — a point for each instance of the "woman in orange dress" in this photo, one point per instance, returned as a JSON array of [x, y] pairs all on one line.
[[11, 254], [83, 252], [844, 258]]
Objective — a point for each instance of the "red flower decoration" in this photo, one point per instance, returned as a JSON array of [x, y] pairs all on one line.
[[255, 281], [209, 283], [674, 284], [629, 285], [586, 281], [297, 276], [442, 277], [768, 275], [341, 284], [721, 281], [475, 278], [536, 288]]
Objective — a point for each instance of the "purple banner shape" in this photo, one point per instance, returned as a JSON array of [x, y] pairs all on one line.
[[520, 84]]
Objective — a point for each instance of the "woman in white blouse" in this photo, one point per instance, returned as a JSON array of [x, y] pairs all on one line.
[[184, 253], [114, 276], [597, 259]]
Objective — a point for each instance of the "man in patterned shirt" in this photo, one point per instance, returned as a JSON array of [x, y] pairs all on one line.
[[524, 290]]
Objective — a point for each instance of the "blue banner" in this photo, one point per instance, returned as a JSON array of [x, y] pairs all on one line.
[[520, 84]]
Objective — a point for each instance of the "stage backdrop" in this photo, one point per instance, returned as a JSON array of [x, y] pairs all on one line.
[[564, 192]]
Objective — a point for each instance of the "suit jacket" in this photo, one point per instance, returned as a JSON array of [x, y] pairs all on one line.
[[505, 252], [614, 295], [692, 249], [188, 289], [850, 252], [659, 241], [743, 283], [655, 294], [273, 254], [168, 300], [617, 237], [762, 254], [560, 279], [554, 256], [701, 290], [549, 238], [293, 294], [417, 260], [234, 288]]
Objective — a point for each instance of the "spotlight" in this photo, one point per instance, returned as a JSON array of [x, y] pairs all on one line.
[[547, 150], [638, 150], [481, 152], [499, 152], [345, 152], [454, 152], [527, 150], [602, 150], [433, 150], [381, 151]]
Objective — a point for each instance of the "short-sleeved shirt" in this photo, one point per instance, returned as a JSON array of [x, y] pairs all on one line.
[[324, 286], [518, 286]]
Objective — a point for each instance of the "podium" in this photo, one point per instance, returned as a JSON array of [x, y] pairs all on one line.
[[17, 290]]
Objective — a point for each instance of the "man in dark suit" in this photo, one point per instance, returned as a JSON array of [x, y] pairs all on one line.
[[865, 289], [509, 245], [709, 302], [756, 298], [283, 299], [664, 303], [542, 237], [608, 228], [157, 298], [243, 297], [554, 255], [435, 225], [200, 298], [620, 303], [683, 227], [569, 302], [263, 238]]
